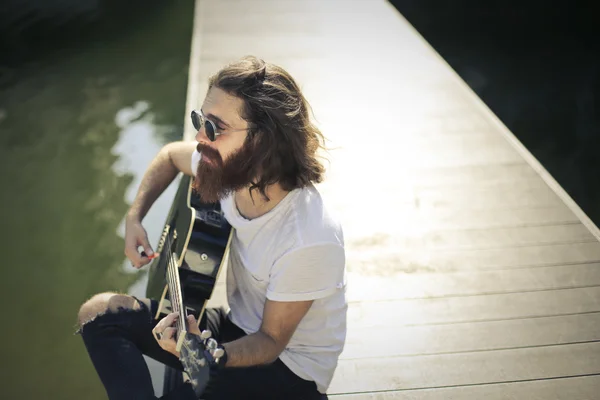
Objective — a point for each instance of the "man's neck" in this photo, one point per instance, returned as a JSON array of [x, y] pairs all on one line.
[[249, 209]]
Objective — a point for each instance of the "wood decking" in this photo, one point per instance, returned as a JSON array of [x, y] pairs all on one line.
[[472, 275]]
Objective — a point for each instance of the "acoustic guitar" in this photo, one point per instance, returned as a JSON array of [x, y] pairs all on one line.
[[191, 253]]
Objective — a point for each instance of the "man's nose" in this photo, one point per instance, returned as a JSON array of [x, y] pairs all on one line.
[[201, 136]]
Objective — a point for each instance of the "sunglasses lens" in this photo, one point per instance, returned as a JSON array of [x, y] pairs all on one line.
[[209, 127], [196, 121]]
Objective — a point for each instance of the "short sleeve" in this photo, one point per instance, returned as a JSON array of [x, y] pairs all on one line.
[[196, 157], [308, 273]]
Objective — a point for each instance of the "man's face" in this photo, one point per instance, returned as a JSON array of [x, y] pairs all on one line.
[[223, 167]]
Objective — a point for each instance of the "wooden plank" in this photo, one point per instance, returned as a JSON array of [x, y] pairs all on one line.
[[229, 46], [415, 216], [453, 191], [508, 237], [478, 238], [413, 257], [463, 144], [465, 175], [266, 8], [503, 196], [576, 388], [450, 111], [493, 307], [427, 209], [468, 155], [409, 222], [446, 125], [515, 258], [467, 126], [472, 336], [466, 218], [290, 22], [418, 372], [482, 185], [369, 287]]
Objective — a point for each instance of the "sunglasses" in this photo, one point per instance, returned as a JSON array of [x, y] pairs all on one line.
[[210, 128]]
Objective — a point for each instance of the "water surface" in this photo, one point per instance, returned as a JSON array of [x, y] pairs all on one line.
[[79, 124]]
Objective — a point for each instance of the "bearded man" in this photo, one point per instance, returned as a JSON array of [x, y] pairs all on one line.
[[256, 154]]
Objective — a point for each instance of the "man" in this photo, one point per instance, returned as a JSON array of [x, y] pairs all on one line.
[[256, 154]]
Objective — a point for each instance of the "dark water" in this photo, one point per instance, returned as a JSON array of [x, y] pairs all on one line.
[[536, 64], [85, 103]]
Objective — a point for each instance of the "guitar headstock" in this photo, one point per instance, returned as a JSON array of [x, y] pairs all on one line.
[[199, 355]]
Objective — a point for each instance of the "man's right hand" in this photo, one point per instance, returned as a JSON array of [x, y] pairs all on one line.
[[136, 236], [173, 158]]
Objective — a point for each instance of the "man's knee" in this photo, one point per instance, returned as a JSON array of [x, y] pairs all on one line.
[[103, 303]]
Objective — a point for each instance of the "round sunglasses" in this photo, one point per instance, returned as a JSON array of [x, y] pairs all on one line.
[[199, 120]]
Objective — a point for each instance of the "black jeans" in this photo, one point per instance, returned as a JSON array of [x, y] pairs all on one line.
[[116, 341]]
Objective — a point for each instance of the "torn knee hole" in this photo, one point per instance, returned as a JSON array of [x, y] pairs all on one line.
[[85, 319]]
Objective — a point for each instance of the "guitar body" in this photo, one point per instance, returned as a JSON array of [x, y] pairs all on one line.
[[196, 238]]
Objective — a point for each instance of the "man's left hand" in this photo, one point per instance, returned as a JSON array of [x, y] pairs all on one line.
[[164, 332]]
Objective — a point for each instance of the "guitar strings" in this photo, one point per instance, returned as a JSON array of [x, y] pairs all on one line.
[[173, 286]]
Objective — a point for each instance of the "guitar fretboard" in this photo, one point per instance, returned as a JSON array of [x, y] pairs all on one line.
[[176, 297]]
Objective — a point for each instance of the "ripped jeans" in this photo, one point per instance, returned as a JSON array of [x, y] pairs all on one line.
[[115, 342]]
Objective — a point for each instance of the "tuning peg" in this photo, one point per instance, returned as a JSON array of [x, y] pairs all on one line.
[[218, 353], [205, 334], [211, 344]]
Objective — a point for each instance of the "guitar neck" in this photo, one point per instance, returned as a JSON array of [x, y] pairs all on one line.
[[176, 299]]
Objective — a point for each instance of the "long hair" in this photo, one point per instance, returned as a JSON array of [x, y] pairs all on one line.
[[283, 140]]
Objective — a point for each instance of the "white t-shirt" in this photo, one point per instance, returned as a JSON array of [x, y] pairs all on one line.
[[294, 252]]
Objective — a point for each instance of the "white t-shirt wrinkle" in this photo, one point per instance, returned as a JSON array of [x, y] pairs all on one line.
[[295, 252]]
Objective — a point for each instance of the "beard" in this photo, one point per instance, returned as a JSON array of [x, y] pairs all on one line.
[[215, 178]]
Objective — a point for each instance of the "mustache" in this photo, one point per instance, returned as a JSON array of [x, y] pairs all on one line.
[[209, 152]]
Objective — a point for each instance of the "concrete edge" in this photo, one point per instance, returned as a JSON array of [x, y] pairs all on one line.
[[193, 71]]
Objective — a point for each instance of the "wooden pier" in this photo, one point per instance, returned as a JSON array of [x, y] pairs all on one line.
[[471, 273]]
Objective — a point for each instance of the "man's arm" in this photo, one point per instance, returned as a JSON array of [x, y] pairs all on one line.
[[280, 320], [173, 158]]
